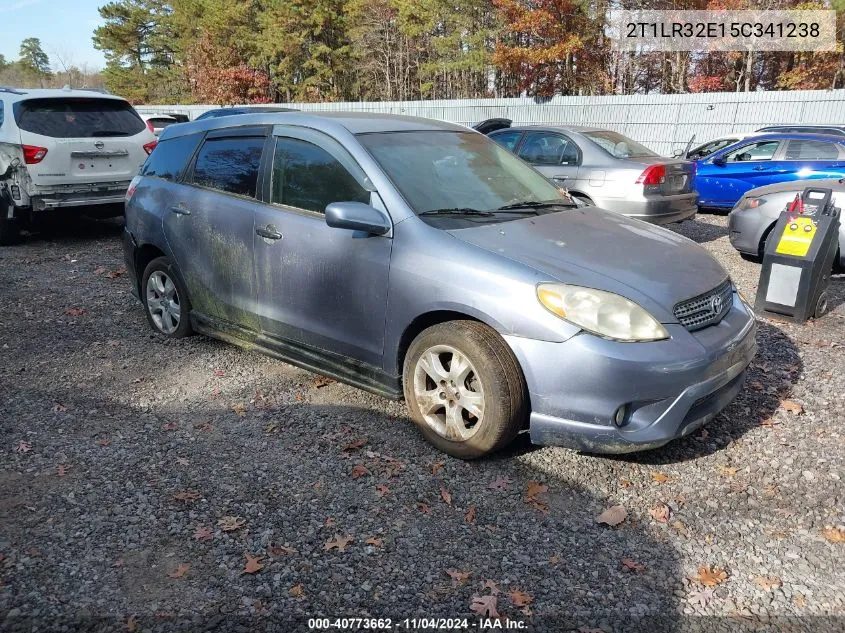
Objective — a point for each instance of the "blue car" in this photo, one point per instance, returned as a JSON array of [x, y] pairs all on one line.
[[764, 159]]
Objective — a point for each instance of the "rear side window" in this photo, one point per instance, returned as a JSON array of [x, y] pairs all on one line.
[[308, 177], [811, 150], [170, 157], [541, 148], [78, 117], [508, 140], [229, 164]]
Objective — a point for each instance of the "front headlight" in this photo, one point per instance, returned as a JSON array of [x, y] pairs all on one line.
[[602, 313], [752, 203]]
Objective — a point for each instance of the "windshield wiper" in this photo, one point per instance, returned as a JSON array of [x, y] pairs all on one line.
[[530, 205], [457, 211]]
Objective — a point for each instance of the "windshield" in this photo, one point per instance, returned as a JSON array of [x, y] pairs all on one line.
[[617, 145], [458, 171], [78, 117]]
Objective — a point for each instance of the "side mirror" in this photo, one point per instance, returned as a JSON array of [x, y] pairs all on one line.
[[357, 216], [719, 161], [678, 153]]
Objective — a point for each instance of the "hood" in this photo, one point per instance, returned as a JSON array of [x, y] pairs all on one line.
[[589, 247]]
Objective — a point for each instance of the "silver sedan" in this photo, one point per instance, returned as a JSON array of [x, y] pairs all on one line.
[[605, 168], [756, 213]]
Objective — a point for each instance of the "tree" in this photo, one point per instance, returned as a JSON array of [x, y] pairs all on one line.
[[33, 59]]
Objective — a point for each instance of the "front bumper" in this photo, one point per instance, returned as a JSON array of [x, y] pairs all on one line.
[[669, 388], [746, 228], [657, 210]]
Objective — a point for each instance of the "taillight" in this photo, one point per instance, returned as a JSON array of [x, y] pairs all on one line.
[[132, 187], [150, 127], [33, 155], [149, 147], [653, 175]]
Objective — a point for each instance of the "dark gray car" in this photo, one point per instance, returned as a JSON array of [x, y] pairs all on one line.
[[607, 169], [418, 259]]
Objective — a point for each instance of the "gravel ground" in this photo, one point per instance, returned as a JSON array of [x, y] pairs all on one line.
[[142, 480]]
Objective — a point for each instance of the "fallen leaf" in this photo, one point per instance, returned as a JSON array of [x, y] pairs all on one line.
[[253, 564], [330, 522], [631, 565], [768, 582], [59, 408], [555, 560], [23, 447], [297, 591], [231, 523], [354, 445], [520, 598], [660, 478], [661, 513], [104, 442], [756, 385], [359, 470], [728, 471], [798, 600], [61, 469], [180, 571], [382, 490], [322, 381], [131, 625], [118, 563], [375, 542], [702, 436], [701, 598], [533, 489], [492, 586], [500, 483], [204, 426], [613, 516], [114, 274], [458, 577], [423, 507], [710, 577], [792, 406], [834, 535], [446, 496], [280, 550], [680, 528], [470, 515], [75, 312], [239, 409], [219, 373], [202, 533], [99, 270], [170, 426], [484, 606], [625, 483], [339, 543], [186, 495], [436, 467]]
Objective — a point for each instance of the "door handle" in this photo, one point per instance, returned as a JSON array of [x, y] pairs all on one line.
[[760, 168], [179, 209], [559, 178], [269, 232]]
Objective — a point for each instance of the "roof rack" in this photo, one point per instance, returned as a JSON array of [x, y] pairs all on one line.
[[15, 91]]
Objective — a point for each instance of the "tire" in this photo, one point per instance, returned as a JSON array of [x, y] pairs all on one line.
[[163, 293], [10, 229], [493, 381]]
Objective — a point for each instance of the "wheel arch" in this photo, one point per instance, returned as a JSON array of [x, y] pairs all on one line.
[[144, 254]]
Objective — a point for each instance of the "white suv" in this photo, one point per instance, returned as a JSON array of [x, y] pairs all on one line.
[[66, 149]]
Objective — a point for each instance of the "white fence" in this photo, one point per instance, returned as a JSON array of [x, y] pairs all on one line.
[[662, 122]]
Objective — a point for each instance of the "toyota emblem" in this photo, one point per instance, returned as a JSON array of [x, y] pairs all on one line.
[[716, 304], [99, 145]]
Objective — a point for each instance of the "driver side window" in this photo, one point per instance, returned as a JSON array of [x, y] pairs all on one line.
[[764, 150], [306, 176]]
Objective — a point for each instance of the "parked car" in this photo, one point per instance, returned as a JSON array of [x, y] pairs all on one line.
[[157, 122], [835, 130], [604, 168], [67, 150], [705, 149], [766, 159], [416, 258], [218, 112], [752, 219]]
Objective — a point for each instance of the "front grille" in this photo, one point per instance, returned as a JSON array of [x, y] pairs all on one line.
[[705, 309]]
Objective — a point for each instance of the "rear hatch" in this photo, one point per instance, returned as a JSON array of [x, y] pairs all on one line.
[[665, 176], [81, 140]]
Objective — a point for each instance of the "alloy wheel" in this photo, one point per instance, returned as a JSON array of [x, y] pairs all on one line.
[[449, 393], [163, 302]]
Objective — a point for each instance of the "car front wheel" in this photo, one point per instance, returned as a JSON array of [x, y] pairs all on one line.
[[464, 388], [166, 299]]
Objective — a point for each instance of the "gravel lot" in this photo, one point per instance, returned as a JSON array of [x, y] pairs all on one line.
[[138, 474]]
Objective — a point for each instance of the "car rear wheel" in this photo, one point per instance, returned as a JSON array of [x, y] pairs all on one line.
[[165, 299], [10, 228], [464, 388]]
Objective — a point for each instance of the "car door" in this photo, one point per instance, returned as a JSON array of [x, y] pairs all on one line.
[[724, 176], [811, 158], [317, 286], [553, 154], [209, 225]]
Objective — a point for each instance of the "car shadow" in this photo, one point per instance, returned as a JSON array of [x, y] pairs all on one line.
[[73, 228], [698, 231]]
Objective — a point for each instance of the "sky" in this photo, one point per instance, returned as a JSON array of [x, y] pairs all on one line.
[[64, 27]]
